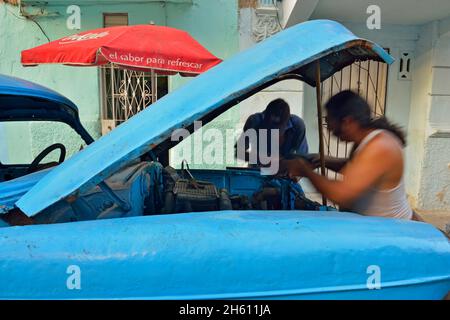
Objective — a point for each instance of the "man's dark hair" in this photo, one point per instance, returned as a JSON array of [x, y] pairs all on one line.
[[280, 108], [349, 104]]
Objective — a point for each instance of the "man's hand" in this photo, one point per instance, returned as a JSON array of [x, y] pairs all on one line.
[[295, 168], [314, 159], [332, 163]]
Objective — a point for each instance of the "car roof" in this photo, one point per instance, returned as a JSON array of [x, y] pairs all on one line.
[[294, 51], [12, 86], [22, 100]]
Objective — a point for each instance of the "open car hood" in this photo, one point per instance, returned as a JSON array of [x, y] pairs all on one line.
[[291, 52], [22, 100]]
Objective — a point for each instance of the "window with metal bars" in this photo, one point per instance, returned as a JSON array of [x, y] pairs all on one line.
[[124, 92], [369, 79]]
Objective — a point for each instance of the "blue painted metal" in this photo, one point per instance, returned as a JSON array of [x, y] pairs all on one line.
[[291, 51], [230, 254], [23, 88], [236, 182], [247, 182], [13, 190], [22, 100], [242, 182], [132, 191]]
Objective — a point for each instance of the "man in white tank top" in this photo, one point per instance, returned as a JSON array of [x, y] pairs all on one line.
[[372, 178]]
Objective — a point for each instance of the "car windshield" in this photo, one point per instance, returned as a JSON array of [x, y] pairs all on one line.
[[23, 141]]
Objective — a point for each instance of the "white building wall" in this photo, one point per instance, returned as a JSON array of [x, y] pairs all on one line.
[[420, 104], [434, 185]]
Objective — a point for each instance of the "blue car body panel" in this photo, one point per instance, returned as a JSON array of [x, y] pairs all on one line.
[[13, 190], [23, 88], [22, 100], [292, 50], [226, 255]]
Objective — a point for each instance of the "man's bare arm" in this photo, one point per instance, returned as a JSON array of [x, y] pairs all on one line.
[[335, 164], [360, 174], [332, 163]]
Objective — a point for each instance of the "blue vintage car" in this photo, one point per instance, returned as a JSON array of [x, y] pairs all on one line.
[[107, 223], [26, 102]]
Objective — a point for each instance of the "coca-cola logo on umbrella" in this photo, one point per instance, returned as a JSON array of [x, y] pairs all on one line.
[[83, 37]]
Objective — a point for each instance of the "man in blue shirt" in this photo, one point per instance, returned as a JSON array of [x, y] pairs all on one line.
[[276, 116]]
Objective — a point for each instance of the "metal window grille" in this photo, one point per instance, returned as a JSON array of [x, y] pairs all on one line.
[[124, 92], [369, 79], [127, 92]]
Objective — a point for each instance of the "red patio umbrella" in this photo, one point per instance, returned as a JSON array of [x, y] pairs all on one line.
[[142, 47]]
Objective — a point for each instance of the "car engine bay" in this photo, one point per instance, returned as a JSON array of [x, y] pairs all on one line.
[[147, 188]]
